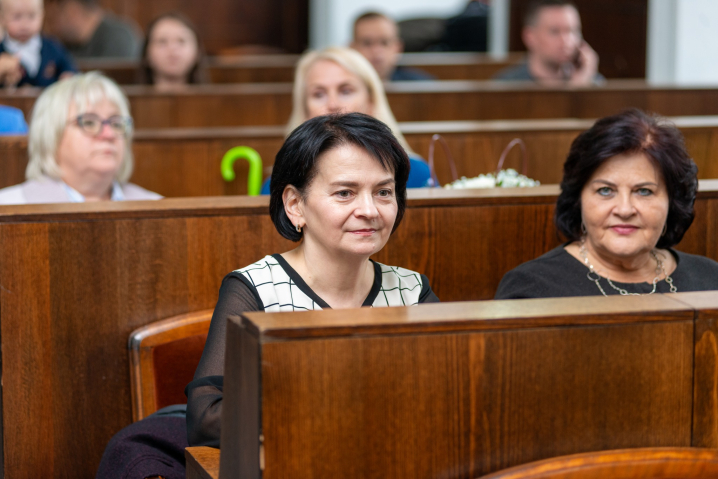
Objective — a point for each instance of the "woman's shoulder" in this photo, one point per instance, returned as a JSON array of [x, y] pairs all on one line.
[[40, 190], [12, 195], [556, 258], [135, 192], [695, 271], [688, 259], [263, 265], [553, 274], [403, 287]]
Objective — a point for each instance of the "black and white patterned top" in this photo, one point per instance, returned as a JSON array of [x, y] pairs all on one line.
[[278, 287], [272, 285]]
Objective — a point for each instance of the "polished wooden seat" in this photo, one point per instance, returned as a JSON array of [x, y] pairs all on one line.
[[642, 463], [163, 358]]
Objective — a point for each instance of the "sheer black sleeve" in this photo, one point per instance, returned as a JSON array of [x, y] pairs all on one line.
[[204, 393], [427, 294]]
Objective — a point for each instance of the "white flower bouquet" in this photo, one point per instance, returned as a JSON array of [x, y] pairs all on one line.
[[508, 178], [503, 179]]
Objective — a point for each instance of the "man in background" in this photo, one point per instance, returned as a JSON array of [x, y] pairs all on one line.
[[557, 53], [89, 31], [376, 36]]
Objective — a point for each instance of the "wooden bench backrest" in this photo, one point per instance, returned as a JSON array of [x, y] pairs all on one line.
[[186, 162], [280, 68], [77, 279], [270, 103], [460, 389], [163, 358]]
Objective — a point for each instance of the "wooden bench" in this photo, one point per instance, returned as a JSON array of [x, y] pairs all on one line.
[[464, 389], [280, 68], [186, 162], [76, 279], [270, 103]]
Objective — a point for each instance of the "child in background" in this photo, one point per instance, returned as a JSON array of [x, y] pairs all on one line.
[[27, 57]]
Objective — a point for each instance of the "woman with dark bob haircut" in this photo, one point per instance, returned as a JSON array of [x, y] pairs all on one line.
[[626, 199], [339, 190]]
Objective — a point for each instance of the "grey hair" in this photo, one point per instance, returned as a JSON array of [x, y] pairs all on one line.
[[355, 63], [49, 119]]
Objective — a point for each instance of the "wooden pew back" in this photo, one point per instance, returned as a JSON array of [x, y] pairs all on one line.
[[270, 103], [78, 278], [186, 162], [280, 68], [455, 390]]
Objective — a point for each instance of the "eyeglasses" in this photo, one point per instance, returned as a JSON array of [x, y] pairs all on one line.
[[92, 124]]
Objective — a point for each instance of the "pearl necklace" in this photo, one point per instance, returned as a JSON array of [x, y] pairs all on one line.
[[592, 275]]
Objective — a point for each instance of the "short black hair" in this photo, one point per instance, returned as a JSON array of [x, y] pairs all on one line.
[[295, 164], [533, 8], [630, 132]]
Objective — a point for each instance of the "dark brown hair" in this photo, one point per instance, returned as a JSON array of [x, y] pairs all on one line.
[[198, 73], [630, 132]]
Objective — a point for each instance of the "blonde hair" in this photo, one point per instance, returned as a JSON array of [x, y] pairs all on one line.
[[353, 62], [39, 3], [49, 119]]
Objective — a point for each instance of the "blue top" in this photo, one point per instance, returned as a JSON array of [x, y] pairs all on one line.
[[54, 61], [419, 175], [12, 121]]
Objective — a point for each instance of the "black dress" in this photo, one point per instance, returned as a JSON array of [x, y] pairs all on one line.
[[559, 274]]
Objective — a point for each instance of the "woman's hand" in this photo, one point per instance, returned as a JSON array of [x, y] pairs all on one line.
[[11, 71]]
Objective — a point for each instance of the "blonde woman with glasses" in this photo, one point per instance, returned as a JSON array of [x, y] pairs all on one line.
[[80, 146]]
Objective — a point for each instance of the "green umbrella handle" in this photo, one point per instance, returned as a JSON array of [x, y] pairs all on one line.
[[254, 181]]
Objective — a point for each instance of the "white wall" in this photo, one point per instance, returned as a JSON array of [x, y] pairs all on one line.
[[682, 42], [331, 20], [697, 54]]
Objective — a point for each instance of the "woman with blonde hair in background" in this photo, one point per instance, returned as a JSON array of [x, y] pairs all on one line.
[[80, 146], [341, 80]]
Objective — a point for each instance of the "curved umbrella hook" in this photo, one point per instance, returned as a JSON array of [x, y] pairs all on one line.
[[254, 179]]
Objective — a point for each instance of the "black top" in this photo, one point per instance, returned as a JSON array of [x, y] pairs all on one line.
[[113, 38], [410, 74], [54, 61], [559, 274], [236, 296]]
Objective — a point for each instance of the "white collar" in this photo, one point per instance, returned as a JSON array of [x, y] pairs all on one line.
[[28, 52], [76, 197]]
